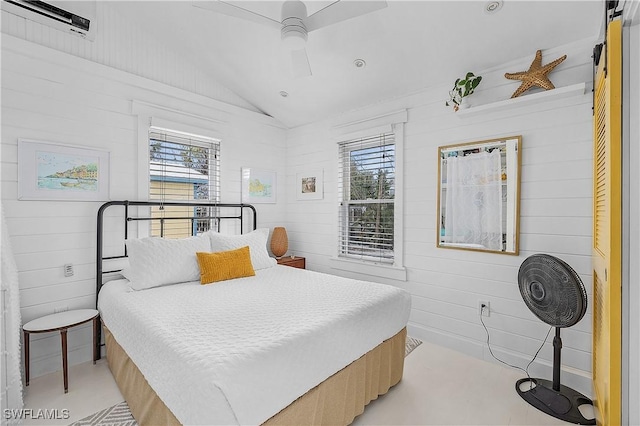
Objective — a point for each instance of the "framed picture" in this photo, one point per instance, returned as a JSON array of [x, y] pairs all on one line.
[[258, 186], [51, 171], [309, 185]]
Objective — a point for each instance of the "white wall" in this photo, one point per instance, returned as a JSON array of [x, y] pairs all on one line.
[[54, 96], [446, 284]]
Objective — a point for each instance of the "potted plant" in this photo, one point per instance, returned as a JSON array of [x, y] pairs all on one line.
[[462, 88]]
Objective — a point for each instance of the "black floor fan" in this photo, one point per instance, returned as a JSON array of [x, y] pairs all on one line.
[[555, 294]]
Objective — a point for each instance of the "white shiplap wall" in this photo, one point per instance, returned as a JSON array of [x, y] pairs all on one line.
[[447, 284], [54, 96]]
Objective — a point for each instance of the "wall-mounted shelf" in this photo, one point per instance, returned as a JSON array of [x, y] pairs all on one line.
[[548, 95]]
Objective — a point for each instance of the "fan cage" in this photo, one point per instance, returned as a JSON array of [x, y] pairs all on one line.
[[552, 290]]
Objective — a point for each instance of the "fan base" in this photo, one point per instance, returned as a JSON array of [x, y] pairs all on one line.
[[562, 404]]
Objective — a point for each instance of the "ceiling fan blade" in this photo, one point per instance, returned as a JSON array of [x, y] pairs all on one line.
[[300, 63], [341, 11], [230, 9]]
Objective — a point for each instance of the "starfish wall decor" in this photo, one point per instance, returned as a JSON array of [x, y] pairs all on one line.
[[536, 75]]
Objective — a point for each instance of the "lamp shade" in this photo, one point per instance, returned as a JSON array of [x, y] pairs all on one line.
[[279, 241]]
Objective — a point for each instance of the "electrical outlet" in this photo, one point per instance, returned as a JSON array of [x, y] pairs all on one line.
[[484, 308], [68, 270]]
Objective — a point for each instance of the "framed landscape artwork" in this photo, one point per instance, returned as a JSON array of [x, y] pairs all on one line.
[[51, 171], [309, 185], [258, 186]]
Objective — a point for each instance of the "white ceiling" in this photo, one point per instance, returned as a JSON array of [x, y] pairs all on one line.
[[408, 46]]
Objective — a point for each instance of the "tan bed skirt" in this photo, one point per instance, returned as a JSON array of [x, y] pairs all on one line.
[[337, 400]]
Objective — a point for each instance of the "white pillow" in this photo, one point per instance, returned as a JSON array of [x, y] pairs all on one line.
[[158, 261], [256, 240]]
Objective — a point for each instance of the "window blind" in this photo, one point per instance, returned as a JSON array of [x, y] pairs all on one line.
[[182, 167], [367, 191]]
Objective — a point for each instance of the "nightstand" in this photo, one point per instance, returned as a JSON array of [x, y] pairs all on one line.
[[60, 321], [295, 262]]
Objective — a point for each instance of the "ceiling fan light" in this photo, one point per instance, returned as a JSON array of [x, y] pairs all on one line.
[[294, 32], [293, 37]]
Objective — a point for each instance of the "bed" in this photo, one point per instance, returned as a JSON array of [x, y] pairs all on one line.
[[281, 346]]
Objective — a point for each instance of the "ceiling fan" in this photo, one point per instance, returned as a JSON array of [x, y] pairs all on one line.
[[295, 24]]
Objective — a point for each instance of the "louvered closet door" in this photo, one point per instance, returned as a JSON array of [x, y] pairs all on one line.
[[606, 254]]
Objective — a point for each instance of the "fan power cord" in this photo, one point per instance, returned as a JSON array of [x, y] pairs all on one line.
[[525, 370]]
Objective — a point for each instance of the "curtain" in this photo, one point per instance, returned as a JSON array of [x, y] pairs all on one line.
[[11, 325], [474, 200]]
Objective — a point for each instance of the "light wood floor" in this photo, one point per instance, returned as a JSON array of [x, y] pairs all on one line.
[[439, 387]]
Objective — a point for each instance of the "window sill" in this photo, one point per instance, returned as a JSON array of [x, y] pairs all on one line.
[[398, 273]]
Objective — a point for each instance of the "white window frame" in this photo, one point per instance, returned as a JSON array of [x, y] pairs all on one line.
[[151, 115], [346, 148], [387, 123]]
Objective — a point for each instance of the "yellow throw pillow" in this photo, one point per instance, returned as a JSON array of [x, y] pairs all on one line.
[[225, 265]]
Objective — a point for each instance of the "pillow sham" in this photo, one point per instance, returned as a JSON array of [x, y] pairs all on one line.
[[225, 265], [156, 261], [256, 240]]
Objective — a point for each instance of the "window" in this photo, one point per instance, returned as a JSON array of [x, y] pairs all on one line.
[[183, 167], [367, 189]]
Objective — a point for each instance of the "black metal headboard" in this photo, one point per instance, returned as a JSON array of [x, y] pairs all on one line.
[[238, 212]]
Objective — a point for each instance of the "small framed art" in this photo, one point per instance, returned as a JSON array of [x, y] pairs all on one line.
[[258, 186], [309, 185], [51, 171]]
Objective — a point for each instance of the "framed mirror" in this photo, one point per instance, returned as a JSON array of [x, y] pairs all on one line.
[[479, 195]]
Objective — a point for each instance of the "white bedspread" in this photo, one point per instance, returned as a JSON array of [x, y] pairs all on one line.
[[239, 351]]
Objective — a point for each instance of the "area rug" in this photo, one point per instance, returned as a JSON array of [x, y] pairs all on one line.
[[119, 414], [411, 344]]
